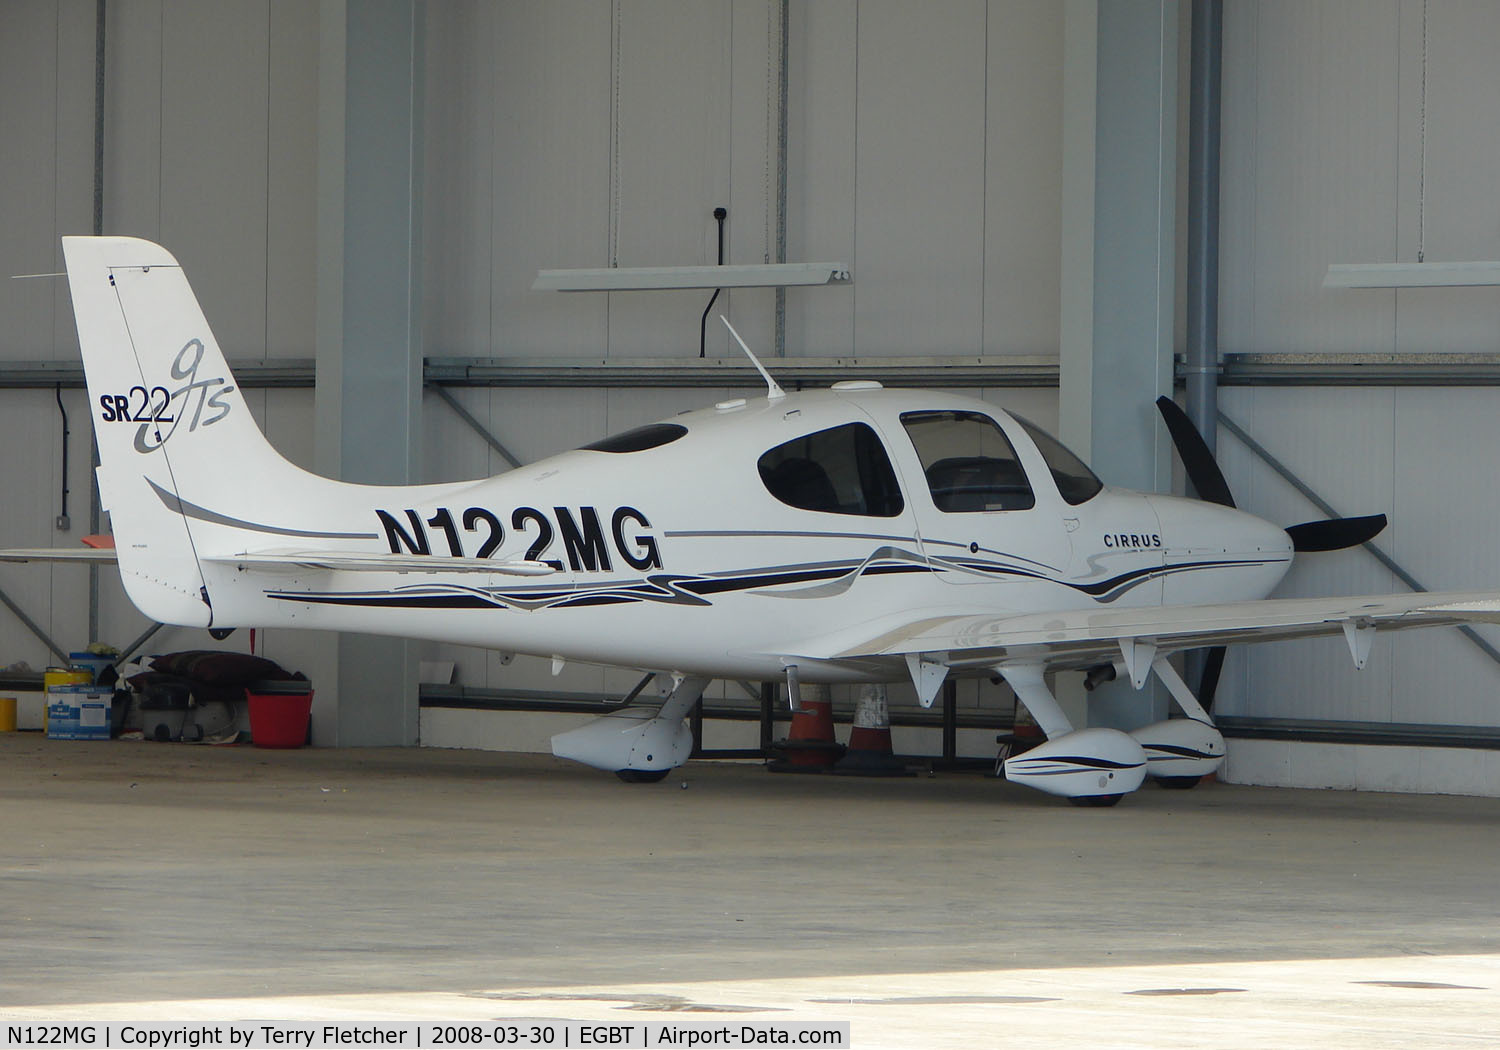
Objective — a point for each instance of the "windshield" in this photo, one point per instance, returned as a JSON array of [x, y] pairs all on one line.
[[1076, 483]]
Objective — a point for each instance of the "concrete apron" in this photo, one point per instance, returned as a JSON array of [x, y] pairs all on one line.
[[179, 884]]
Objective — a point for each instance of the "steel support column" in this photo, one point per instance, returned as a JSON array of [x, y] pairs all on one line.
[[1201, 370], [369, 361], [1119, 253]]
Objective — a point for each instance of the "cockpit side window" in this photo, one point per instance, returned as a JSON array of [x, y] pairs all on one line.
[[1076, 483], [970, 464], [843, 470]]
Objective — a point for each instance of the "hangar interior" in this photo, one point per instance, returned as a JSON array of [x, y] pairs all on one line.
[[1007, 181]]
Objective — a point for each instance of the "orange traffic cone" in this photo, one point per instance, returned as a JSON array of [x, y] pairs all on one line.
[[810, 746], [1024, 735], [870, 753]]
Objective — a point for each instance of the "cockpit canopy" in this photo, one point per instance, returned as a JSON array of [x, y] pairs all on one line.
[[969, 464]]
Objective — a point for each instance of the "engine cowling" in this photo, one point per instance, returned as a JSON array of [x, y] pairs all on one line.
[[1082, 764], [632, 739]]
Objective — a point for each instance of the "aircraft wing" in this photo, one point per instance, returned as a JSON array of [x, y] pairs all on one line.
[[340, 561], [1087, 637]]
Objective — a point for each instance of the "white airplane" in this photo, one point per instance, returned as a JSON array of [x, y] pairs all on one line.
[[849, 535]]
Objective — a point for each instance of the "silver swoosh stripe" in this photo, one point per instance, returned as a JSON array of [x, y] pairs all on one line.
[[192, 510]]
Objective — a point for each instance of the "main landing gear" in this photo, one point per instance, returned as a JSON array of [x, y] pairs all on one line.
[[640, 745], [1097, 767]]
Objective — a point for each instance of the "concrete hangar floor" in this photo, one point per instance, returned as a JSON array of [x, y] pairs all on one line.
[[180, 884]]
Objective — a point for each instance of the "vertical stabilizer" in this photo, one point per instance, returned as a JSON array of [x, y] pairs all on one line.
[[163, 401]]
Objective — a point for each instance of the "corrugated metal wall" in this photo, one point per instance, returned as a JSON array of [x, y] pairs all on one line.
[[1323, 157], [578, 135], [210, 148], [923, 150], [581, 134]]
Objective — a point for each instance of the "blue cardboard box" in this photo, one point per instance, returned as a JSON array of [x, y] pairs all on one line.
[[78, 712]]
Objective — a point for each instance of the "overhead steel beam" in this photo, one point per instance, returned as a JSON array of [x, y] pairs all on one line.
[[1383, 369], [1019, 371], [1029, 370], [29, 375]]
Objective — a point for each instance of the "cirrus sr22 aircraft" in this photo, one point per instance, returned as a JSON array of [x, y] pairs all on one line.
[[849, 535]]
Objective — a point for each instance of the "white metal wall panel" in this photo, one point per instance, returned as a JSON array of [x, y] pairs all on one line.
[[621, 137], [754, 57], [821, 64], [46, 124], [28, 94], [1447, 502], [74, 156], [458, 177], [289, 424], [132, 120], [292, 176], [1023, 190], [1316, 98], [1449, 208], [451, 448], [1333, 152], [1323, 162], [672, 162], [210, 147], [26, 519], [68, 623], [920, 186], [549, 180], [1421, 455], [214, 144], [1339, 442]]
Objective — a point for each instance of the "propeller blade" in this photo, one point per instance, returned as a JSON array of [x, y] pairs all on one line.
[[1335, 534], [1208, 480], [1208, 685]]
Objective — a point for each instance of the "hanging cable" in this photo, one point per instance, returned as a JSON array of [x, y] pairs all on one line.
[[63, 522], [720, 214], [1422, 135], [614, 135], [771, 51]]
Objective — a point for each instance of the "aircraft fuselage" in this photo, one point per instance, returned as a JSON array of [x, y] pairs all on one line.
[[721, 531]]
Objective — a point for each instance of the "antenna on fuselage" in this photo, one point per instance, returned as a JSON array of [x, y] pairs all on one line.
[[773, 389]]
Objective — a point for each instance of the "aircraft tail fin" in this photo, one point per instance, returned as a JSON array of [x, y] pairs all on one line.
[[169, 417]]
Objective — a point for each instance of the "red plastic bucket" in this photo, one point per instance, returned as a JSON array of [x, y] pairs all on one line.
[[279, 719]]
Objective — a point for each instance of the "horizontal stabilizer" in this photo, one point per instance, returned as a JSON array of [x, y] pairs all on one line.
[[343, 561], [80, 554]]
